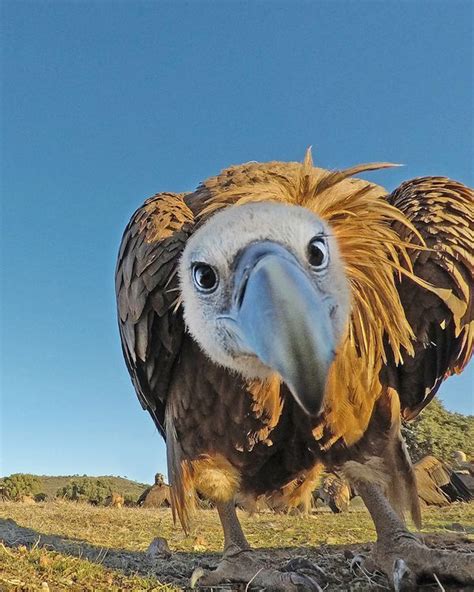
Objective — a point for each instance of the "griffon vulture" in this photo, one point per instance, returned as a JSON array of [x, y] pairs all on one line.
[[335, 492], [282, 318], [438, 484]]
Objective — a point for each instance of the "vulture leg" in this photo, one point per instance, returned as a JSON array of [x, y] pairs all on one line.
[[402, 556], [238, 563], [234, 538]]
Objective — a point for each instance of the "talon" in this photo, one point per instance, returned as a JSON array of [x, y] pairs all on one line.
[[403, 578], [298, 564], [363, 563], [263, 577], [208, 577], [197, 574], [357, 562], [306, 582]]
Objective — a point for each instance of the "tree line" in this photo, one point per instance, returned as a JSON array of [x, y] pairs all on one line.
[[19, 486]]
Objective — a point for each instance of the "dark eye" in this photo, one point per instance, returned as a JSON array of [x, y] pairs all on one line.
[[318, 253], [204, 276]]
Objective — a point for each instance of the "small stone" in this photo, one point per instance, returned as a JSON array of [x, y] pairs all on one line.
[[159, 548]]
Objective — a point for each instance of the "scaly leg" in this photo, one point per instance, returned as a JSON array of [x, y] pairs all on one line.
[[234, 538], [239, 565], [399, 553]]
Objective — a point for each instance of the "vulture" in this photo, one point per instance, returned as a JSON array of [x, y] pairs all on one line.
[[335, 492], [156, 496], [283, 318], [461, 464], [437, 484]]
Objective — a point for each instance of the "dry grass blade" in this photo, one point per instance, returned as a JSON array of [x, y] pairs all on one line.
[[253, 578], [441, 587]]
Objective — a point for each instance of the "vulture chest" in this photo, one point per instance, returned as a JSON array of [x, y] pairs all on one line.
[[258, 429]]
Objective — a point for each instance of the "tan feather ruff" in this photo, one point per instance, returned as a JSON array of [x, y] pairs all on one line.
[[160, 220]]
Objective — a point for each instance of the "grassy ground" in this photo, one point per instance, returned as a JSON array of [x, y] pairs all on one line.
[[61, 545], [39, 569]]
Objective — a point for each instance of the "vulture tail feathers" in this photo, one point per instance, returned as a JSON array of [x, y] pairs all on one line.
[[183, 494]]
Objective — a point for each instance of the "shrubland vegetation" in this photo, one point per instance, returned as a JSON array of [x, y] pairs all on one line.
[[17, 486], [439, 432], [75, 488], [94, 491]]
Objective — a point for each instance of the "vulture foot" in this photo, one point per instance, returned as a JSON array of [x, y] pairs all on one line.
[[241, 566], [402, 556], [407, 562]]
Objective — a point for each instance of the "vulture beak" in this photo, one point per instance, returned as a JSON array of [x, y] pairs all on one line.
[[280, 316]]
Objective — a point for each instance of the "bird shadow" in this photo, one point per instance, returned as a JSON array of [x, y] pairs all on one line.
[[169, 568], [175, 568]]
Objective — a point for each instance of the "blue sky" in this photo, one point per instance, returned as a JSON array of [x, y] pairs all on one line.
[[106, 103]]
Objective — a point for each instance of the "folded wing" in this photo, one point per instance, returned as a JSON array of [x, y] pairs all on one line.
[[441, 316], [150, 322]]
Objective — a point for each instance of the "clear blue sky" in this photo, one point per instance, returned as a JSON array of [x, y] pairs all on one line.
[[106, 103]]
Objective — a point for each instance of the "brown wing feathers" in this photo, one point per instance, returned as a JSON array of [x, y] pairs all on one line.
[[441, 317], [146, 288]]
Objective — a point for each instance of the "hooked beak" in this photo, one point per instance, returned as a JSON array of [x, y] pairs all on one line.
[[280, 316]]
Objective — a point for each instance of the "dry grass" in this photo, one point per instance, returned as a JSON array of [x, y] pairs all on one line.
[[114, 540], [39, 569], [134, 528]]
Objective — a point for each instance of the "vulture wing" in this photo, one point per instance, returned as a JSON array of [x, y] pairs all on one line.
[[151, 326], [441, 315], [431, 477]]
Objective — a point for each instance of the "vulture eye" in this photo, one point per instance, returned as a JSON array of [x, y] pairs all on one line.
[[205, 278], [318, 253]]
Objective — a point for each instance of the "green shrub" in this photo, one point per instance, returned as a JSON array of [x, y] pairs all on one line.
[[439, 432], [20, 484], [89, 490]]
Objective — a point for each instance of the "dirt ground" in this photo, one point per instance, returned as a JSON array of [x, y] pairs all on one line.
[[56, 546]]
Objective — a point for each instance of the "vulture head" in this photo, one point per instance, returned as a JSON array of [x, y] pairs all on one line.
[[264, 291]]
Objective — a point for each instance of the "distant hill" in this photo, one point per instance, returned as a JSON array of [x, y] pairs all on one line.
[[51, 484]]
